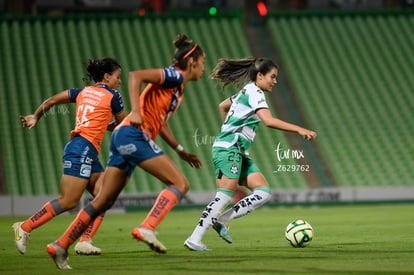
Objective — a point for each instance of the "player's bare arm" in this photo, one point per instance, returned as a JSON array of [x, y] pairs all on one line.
[[118, 120], [272, 122], [135, 81], [30, 121], [224, 108], [169, 138]]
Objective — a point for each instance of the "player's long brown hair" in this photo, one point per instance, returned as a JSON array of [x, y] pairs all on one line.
[[239, 71]]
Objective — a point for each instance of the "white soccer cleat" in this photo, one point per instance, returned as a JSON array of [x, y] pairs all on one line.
[[193, 246], [59, 255], [148, 236], [20, 237], [87, 248]]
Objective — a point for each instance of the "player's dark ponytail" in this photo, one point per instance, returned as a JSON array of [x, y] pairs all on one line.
[[185, 49], [238, 71], [97, 68]]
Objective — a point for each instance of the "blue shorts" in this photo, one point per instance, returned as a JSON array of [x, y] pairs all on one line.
[[131, 146], [80, 158]]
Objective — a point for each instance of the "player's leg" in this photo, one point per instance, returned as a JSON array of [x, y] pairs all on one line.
[[260, 195], [86, 246], [164, 169], [71, 191], [228, 167], [77, 171], [59, 254], [224, 196], [114, 180]]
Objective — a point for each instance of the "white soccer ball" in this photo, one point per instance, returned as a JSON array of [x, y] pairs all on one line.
[[299, 233]]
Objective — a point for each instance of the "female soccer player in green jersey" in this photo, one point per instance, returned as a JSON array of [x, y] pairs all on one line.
[[241, 114]]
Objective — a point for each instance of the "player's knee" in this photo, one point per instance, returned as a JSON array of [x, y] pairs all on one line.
[[181, 184], [108, 205], [102, 204], [185, 187], [68, 204]]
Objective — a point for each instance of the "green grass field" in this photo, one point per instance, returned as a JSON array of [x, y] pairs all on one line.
[[367, 239]]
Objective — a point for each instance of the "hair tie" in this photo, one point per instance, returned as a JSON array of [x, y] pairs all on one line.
[[189, 52]]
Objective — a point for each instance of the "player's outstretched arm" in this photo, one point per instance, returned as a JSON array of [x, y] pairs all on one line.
[[30, 121], [268, 120]]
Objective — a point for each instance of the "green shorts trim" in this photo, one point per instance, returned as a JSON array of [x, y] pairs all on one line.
[[233, 164]]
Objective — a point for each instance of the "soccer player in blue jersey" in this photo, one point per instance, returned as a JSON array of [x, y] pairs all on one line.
[[241, 114]]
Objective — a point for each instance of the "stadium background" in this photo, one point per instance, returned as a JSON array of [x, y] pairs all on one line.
[[345, 71]]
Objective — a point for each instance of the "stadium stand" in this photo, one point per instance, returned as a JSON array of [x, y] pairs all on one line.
[[350, 73], [44, 55]]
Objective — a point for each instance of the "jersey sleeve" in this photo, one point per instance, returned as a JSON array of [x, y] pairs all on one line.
[[257, 100], [116, 104], [171, 77], [73, 93]]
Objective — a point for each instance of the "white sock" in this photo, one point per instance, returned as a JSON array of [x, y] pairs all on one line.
[[211, 212], [246, 205]]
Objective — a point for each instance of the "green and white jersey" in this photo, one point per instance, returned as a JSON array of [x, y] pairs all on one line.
[[241, 121]]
